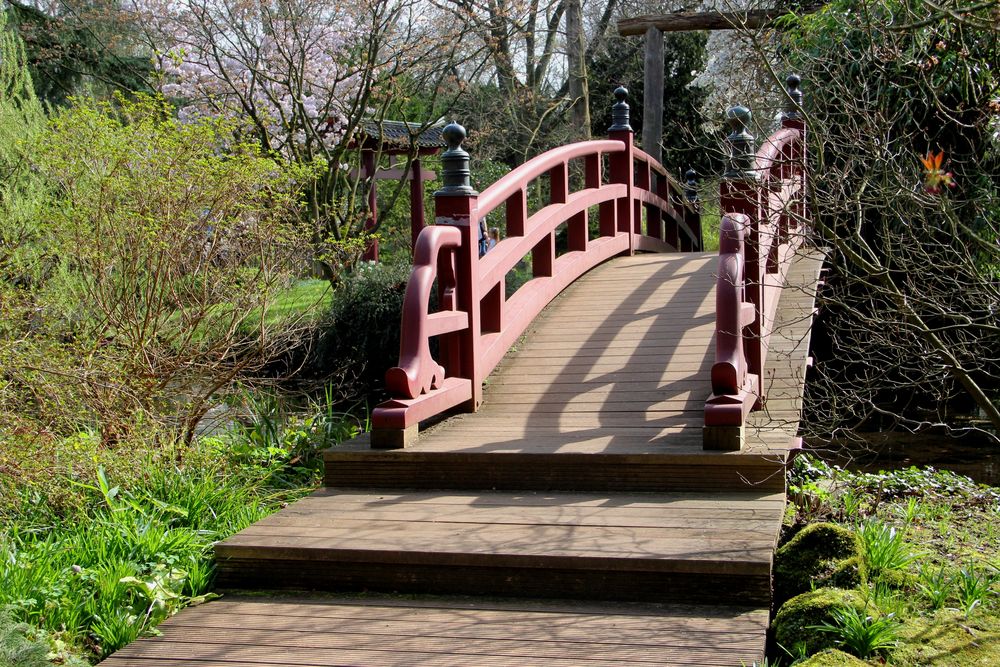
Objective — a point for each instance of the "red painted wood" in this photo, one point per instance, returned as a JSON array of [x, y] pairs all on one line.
[[733, 387], [417, 372], [622, 170], [368, 166], [417, 222], [756, 247]]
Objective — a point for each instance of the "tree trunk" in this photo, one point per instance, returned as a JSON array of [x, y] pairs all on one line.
[[578, 88]]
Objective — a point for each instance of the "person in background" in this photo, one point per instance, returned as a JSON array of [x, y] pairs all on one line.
[[484, 239], [494, 237]]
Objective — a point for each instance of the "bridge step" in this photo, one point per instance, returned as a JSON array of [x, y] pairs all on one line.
[[680, 547], [596, 463], [449, 632]]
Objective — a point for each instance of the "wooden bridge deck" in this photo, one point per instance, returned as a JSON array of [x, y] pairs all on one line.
[[582, 479]]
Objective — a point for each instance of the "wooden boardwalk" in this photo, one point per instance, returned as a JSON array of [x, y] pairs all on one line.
[[578, 500]]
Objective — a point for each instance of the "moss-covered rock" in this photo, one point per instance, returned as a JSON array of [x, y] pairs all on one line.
[[822, 554], [949, 638], [831, 657], [899, 580], [792, 625]]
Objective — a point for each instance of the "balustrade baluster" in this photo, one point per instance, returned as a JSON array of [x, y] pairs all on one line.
[[621, 166], [692, 213], [517, 213], [741, 193], [793, 118]]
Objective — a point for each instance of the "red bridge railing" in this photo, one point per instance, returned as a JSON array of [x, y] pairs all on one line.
[[763, 203], [639, 207]]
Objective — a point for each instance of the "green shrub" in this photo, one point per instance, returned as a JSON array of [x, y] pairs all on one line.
[[859, 633], [822, 554], [885, 549], [165, 242], [793, 625], [359, 338]]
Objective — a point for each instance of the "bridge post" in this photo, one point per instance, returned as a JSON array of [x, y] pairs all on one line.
[[741, 193], [625, 209], [793, 118], [692, 214], [455, 204]]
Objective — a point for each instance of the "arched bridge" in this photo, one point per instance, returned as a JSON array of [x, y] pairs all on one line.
[[599, 478]]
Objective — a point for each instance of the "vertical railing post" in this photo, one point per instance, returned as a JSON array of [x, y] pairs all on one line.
[[369, 168], [793, 118], [456, 204], [621, 165], [417, 221], [740, 192], [692, 212]]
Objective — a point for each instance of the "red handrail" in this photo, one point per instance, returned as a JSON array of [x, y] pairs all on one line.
[[760, 209], [417, 372]]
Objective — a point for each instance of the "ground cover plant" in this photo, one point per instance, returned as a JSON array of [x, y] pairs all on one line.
[[100, 545], [931, 551]]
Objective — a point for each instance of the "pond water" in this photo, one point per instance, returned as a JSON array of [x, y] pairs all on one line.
[[976, 456]]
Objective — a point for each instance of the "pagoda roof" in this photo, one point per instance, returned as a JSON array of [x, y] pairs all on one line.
[[399, 134]]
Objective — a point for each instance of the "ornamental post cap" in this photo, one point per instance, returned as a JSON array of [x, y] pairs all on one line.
[[453, 134], [456, 177], [620, 111], [741, 144], [738, 118], [793, 105], [691, 185]]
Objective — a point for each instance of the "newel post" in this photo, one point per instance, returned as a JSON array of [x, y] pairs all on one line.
[[741, 192], [692, 212], [793, 118], [456, 204], [621, 167]]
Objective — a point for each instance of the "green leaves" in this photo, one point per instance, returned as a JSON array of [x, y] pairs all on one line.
[[885, 548], [860, 634]]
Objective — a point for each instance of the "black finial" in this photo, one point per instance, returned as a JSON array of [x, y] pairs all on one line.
[[691, 186], [619, 112], [793, 105], [740, 144], [455, 173]]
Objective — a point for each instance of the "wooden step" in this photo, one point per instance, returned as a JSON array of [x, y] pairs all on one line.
[[668, 547], [599, 460], [449, 632]]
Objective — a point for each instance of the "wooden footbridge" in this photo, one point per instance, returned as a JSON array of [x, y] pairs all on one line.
[[612, 487]]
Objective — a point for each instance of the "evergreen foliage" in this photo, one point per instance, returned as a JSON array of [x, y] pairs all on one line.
[[906, 188]]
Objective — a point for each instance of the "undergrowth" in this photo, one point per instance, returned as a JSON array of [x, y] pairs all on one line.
[[99, 545], [931, 544]]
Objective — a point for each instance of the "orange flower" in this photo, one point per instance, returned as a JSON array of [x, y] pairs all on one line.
[[934, 176]]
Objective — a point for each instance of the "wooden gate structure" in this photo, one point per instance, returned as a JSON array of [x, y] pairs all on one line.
[[617, 495]]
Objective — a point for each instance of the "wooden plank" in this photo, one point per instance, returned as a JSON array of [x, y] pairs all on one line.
[[682, 21], [570, 547], [723, 501]]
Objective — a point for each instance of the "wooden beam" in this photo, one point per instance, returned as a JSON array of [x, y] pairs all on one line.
[[652, 99], [683, 21]]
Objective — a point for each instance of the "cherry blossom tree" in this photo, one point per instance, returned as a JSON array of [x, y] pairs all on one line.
[[304, 73]]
